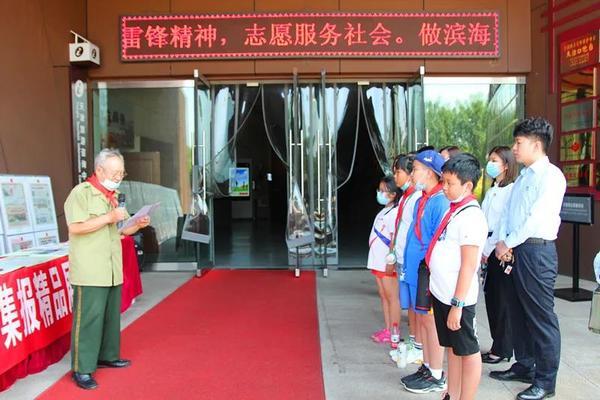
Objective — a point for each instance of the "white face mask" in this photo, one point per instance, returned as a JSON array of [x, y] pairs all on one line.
[[110, 185], [460, 198]]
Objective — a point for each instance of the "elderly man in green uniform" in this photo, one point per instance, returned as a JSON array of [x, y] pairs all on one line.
[[96, 268]]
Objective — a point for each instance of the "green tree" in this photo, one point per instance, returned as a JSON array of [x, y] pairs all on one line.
[[463, 124]]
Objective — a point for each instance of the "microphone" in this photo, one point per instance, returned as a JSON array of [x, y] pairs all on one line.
[[121, 201]]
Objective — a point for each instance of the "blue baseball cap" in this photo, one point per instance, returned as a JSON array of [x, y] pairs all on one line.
[[432, 160]]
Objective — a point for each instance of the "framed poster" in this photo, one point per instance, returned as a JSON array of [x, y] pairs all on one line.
[[239, 182], [19, 242], [39, 190], [46, 237], [14, 207]]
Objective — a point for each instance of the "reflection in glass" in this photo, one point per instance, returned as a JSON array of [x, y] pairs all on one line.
[[576, 147], [390, 116], [576, 86], [577, 174], [154, 129], [576, 116]]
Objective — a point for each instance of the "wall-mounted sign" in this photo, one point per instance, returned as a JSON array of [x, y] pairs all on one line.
[[295, 35], [579, 52], [79, 115], [239, 182]]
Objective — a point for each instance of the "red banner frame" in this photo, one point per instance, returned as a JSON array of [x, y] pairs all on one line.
[[322, 35]]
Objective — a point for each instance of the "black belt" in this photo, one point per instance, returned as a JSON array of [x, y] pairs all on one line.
[[490, 234], [538, 241]]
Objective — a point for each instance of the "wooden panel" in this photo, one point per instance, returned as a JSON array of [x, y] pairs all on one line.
[[103, 29], [297, 5], [519, 36], [304, 66], [199, 7], [60, 17], [471, 66], [537, 80], [34, 104], [213, 68], [368, 67], [382, 5], [143, 166]]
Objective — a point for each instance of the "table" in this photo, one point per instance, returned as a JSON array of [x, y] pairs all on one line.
[[36, 308]]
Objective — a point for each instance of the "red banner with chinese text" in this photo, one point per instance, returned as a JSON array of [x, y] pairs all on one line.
[[35, 309], [580, 52], [295, 35]]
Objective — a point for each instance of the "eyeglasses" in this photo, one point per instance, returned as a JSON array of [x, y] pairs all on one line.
[[117, 175]]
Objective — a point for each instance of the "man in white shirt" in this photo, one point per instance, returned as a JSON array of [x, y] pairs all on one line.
[[528, 229]]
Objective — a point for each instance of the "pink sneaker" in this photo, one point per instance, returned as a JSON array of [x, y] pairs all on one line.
[[377, 334], [385, 337]]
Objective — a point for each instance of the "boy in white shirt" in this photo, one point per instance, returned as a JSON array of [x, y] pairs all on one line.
[[453, 258]]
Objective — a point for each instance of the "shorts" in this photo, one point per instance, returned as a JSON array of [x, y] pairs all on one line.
[[408, 297], [404, 294], [463, 342], [403, 289], [382, 274]]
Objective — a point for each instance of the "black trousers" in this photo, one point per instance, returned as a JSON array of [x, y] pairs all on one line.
[[499, 290], [536, 334]]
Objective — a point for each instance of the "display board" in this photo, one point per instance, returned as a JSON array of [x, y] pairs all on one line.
[[14, 207], [19, 242], [41, 201], [46, 238]]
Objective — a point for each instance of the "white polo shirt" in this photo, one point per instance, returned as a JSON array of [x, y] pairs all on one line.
[[378, 250], [467, 228], [404, 225]]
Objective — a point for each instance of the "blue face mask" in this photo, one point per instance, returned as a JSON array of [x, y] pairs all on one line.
[[382, 198], [405, 186], [493, 169], [419, 186]]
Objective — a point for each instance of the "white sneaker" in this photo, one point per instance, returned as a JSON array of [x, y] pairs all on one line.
[[394, 355]]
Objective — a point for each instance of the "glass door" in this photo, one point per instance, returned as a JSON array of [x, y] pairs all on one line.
[[152, 124]]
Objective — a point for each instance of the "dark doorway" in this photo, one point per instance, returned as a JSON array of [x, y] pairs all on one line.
[[250, 231], [357, 205]]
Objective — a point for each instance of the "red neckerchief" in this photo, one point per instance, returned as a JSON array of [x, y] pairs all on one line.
[[444, 224], [109, 194], [403, 200], [421, 209]]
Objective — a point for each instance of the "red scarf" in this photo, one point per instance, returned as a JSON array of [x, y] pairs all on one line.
[[403, 200], [421, 209], [109, 194], [444, 224]]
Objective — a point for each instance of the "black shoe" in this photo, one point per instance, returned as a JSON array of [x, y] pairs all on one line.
[[489, 358], [119, 363], [84, 381], [534, 393], [427, 384], [423, 370], [510, 375]]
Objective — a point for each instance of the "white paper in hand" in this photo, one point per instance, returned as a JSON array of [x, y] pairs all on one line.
[[143, 212]]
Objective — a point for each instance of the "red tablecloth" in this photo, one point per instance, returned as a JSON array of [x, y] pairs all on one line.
[[132, 282], [36, 313]]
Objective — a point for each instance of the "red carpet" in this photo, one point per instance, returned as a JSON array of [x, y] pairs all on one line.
[[229, 335]]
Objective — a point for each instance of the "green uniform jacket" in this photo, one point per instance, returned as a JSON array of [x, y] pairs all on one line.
[[95, 259]]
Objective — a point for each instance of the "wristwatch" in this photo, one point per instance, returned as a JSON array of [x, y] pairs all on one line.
[[457, 303]]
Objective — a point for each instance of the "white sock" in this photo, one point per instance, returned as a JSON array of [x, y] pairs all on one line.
[[426, 365], [436, 373]]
